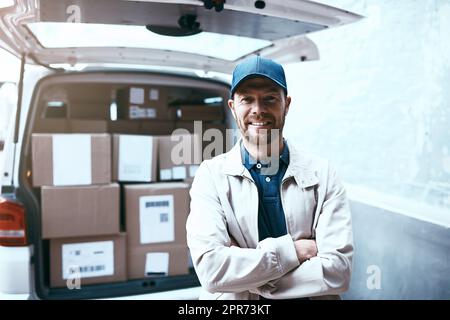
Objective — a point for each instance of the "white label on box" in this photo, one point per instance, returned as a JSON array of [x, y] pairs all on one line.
[[157, 264], [165, 174], [88, 259], [137, 95], [156, 219], [72, 163], [179, 172], [135, 158], [150, 113], [136, 112], [193, 170], [153, 94]]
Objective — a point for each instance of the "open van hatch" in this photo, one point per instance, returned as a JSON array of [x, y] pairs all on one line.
[[117, 31]]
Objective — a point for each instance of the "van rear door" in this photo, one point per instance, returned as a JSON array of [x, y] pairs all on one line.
[[180, 34]]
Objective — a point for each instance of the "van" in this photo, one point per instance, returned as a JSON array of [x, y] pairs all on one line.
[[114, 68]]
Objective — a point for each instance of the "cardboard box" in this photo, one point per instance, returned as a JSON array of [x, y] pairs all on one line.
[[55, 110], [99, 110], [80, 211], [157, 127], [70, 159], [200, 112], [210, 148], [143, 102], [189, 181], [50, 126], [179, 156], [124, 126], [134, 158], [70, 126], [87, 126], [148, 127], [91, 259], [157, 261], [156, 213]]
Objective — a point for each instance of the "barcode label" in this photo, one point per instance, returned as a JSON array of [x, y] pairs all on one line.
[[156, 219], [89, 259], [150, 204], [85, 269], [164, 217]]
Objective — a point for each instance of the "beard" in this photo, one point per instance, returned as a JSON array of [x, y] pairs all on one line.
[[261, 137]]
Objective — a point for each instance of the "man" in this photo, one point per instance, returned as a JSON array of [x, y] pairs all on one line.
[[268, 220]]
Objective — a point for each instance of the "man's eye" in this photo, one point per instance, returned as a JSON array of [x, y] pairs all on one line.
[[270, 99], [246, 100]]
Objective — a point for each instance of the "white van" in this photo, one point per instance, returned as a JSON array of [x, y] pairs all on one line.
[[76, 56]]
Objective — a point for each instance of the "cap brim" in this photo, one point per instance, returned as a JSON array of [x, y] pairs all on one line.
[[256, 75]]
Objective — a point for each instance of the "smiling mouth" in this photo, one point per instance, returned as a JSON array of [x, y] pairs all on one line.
[[260, 123]]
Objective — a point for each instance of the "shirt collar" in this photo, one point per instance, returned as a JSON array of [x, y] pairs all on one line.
[[301, 165], [249, 162]]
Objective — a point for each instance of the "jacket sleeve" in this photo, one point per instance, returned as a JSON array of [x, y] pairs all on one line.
[[221, 266], [329, 272]]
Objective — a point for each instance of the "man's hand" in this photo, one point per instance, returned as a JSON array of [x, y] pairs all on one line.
[[306, 249], [233, 242]]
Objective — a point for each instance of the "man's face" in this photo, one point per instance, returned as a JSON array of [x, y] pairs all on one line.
[[259, 106]]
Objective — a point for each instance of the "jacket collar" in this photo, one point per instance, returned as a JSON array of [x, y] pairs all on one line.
[[299, 166], [233, 162]]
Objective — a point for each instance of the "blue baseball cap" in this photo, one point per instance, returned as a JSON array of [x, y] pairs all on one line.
[[255, 66]]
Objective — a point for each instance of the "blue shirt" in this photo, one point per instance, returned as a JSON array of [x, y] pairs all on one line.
[[271, 220]]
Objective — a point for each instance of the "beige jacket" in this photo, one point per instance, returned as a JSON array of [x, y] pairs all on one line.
[[224, 211]]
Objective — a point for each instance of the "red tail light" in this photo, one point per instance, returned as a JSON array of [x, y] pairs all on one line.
[[12, 223]]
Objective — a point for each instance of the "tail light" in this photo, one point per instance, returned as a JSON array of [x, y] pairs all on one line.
[[12, 223]]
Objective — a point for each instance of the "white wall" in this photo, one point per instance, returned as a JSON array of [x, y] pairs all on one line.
[[377, 102]]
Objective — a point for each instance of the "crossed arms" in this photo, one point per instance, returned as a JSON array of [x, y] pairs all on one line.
[[278, 268]]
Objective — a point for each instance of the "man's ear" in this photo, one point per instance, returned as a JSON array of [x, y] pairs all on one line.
[[231, 106], [287, 105]]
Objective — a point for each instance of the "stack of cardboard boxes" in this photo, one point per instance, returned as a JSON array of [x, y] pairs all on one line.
[[179, 156], [144, 102], [110, 207], [155, 213], [156, 223], [146, 110], [79, 176], [79, 207], [143, 110]]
